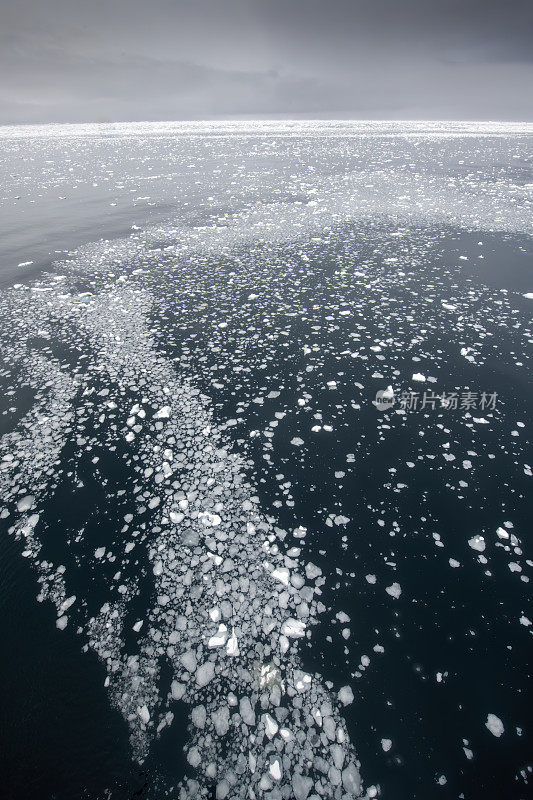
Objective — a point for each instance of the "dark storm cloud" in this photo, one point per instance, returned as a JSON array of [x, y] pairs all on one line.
[[176, 59]]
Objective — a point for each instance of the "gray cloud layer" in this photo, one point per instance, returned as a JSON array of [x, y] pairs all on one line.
[[68, 60]]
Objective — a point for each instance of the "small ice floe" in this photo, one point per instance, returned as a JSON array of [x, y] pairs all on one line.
[[163, 413], [271, 726], [417, 376], [275, 769], [293, 628], [205, 673], [208, 519], [220, 637], [232, 646], [477, 543], [494, 724], [27, 264], [394, 590], [527, 295], [144, 714], [297, 442], [282, 574], [525, 621], [386, 745], [25, 503], [345, 695]]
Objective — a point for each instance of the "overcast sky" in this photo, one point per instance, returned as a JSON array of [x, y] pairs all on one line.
[[99, 60]]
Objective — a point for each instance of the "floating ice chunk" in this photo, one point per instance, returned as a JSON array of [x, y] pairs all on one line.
[[293, 628], [205, 673], [341, 520], [370, 578], [494, 724], [177, 690], [246, 711], [232, 647], [208, 519], [282, 574], [271, 726], [386, 744], [219, 639], [301, 786], [417, 376], [163, 413], [214, 614], [66, 604], [144, 714], [188, 660], [345, 695], [394, 590], [351, 780], [297, 441], [220, 719], [26, 503], [525, 621], [275, 769], [61, 623], [99, 552], [527, 295], [502, 533], [477, 543], [199, 716], [302, 680], [312, 571]]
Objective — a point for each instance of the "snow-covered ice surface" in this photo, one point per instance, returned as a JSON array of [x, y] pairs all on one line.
[[193, 464]]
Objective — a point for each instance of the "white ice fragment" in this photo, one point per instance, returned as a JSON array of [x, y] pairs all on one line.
[[177, 690], [144, 714], [297, 441], [205, 673], [281, 574], [293, 628], [26, 503], [345, 695], [275, 769], [163, 413], [232, 647], [208, 519], [494, 724], [271, 726], [477, 543], [417, 376], [394, 590], [386, 744], [219, 639]]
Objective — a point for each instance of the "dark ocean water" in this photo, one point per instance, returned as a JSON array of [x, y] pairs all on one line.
[[274, 280]]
